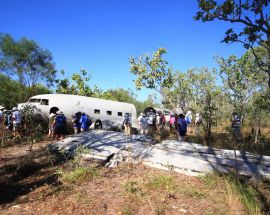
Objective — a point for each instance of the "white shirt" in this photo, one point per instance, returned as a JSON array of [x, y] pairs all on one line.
[[139, 119], [17, 116]]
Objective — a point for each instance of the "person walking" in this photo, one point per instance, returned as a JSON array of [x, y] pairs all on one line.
[[84, 122], [182, 126], [127, 124], [60, 125], [16, 121], [188, 121], [172, 121], [76, 122], [198, 122], [51, 124], [236, 126]]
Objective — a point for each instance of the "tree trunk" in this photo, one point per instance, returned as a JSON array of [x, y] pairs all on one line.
[[258, 125]]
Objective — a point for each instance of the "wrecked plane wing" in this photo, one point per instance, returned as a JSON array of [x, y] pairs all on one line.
[[108, 113], [183, 157]]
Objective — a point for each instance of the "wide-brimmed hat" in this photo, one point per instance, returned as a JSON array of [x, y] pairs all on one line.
[[59, 112], [52, 114], [14, 108]]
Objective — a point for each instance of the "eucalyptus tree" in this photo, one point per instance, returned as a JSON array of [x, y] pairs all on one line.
[[208, 95], [152, 72], [181, 93], [27, 61], [238, 81], [77, 84], [244, 85], [253, 19]]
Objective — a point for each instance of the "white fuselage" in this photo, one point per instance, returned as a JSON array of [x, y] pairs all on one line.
[[111, 113]]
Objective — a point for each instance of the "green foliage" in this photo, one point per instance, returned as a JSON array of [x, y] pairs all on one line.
[[132, 187], [192, 191], [27, 61], [207, 95], [162, 182], [253, 17], [181, 92], [9, 91], [247, 194], [12, 93], [79, 86], [76, 85], [81, 173], [128, 211], [239, 81], [152, 72]]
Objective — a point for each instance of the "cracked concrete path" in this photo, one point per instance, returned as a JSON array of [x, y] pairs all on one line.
[[180, 156]]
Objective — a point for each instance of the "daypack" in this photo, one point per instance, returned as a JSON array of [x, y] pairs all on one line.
[[188, 120], [88, 122], [60, 119], [127, 121], [182, 125], [199, 121]]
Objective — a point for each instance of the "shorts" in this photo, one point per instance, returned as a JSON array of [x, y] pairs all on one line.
[[16, 126], [51, 128], [60, 130]]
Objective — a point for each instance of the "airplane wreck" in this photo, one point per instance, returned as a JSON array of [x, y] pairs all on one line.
[[179, 156]]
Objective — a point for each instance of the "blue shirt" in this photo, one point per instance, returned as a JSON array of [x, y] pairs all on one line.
[[83, 121]]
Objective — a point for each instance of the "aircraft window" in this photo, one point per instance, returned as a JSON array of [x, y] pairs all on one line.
[[96, 111], [120, 114], [109, 112], [44, 102], [34, 100]]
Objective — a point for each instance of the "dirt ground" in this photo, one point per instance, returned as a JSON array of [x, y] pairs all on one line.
[[30, 185]]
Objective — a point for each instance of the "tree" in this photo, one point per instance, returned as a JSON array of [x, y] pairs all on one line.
[[244, 85], [152, 72], [207, 94], [181, 93], [77, 85], [254, 17], [27, 61], [238, 81], [11, 92]]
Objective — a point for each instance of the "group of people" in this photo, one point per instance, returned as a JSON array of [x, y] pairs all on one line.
[[11, 120], [150, 122], [58, 124]]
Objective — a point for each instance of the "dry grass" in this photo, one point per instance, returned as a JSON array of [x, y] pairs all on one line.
[[75, 187]]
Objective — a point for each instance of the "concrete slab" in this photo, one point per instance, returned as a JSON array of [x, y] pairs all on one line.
[[180, 156]]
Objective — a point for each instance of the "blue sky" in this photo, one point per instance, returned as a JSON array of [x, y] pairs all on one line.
[[100, 35]]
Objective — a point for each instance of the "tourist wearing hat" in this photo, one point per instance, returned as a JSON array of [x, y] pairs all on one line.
[[60, 125], [1, 114], [188, 120], [16, 121], [51, 125]]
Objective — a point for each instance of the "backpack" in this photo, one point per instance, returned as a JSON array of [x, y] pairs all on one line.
[[199, 121], [127, 121], [88, 122], [188, 121], [182, 125]]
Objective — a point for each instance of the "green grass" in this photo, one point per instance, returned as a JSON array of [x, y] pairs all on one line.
[[247, 194], [128, 211], [191, 191], [81, 173], [163, 182]]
